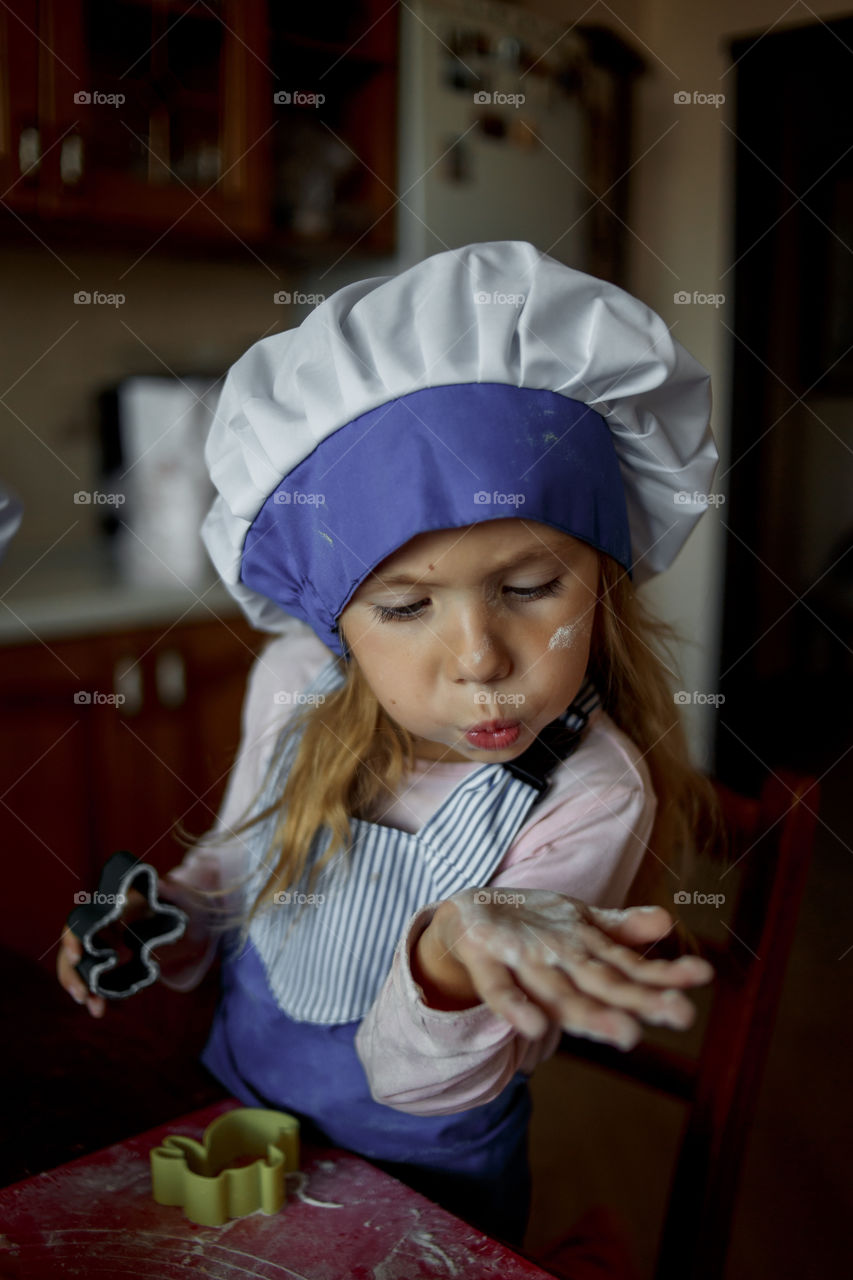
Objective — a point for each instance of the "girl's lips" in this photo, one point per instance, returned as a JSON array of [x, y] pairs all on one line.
[[494, 735]]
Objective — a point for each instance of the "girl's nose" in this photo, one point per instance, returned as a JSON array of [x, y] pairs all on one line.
[[479, 651]]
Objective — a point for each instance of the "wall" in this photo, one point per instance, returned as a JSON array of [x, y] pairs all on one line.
[[680, 238], [55, 356], [684, 223]]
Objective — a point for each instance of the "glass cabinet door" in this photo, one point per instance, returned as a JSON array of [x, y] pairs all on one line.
[[156, 116], [226, 122]]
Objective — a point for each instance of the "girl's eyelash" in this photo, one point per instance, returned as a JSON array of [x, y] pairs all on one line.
[[386, 613], [536, 593]]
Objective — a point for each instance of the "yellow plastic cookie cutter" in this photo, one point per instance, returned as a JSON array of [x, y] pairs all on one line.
[[239, 1166]]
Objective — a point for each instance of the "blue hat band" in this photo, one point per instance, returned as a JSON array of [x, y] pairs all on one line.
[[438, 458]]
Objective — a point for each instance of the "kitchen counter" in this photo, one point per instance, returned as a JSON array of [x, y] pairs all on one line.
[[81, 592]]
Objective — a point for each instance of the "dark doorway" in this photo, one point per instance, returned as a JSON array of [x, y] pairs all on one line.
[[786, 666]]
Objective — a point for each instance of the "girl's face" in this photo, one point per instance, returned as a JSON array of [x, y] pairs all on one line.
[[484, 627]]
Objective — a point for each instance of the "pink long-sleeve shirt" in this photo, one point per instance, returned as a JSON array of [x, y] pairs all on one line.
[[586, 837]]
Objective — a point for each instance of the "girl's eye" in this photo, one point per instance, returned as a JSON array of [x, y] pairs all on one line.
[[399, 613], [536, 593], [387, 614]]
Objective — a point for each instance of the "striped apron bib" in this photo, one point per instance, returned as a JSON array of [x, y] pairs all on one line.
[[293, 997]]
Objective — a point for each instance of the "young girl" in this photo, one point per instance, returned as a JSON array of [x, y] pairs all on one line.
[[460, 757]]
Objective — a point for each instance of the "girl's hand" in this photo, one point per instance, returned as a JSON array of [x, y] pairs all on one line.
[[173, 955], [71, 951], [537, 957]]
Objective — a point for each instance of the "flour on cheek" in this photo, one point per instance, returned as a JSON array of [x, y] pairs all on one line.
[[564, 637]]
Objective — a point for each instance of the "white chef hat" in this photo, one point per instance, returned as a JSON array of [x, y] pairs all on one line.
[[484, 382]]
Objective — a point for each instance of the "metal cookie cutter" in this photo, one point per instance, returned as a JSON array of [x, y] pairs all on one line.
[[239, 1166], [99, 966]]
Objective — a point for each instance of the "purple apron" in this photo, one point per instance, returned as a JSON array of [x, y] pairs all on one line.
[[293, 997]]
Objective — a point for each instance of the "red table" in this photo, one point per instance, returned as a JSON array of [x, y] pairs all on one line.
[[96, 1217]]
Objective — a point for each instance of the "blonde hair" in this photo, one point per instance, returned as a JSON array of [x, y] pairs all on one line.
[[634, 671], [352, 757]]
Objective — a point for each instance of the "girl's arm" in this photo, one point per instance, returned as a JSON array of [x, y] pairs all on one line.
[[537, 957], [431, 1044], [428, 1061]]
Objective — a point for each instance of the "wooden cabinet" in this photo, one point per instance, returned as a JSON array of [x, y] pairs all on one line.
[[20, 135], [231, 122], [155, 116], [107, 743], [334, 69], [134, 115]]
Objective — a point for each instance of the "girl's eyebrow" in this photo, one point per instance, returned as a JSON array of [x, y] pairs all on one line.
[[406, 580]]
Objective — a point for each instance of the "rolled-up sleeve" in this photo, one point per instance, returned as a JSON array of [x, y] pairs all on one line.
[[436, 1062]]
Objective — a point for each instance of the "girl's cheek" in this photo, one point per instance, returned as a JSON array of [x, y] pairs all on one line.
[[569, 634], [565, 636]]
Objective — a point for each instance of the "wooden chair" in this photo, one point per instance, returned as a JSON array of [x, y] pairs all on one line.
[[772, 838]]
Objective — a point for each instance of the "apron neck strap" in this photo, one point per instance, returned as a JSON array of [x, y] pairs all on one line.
[[556, 742]]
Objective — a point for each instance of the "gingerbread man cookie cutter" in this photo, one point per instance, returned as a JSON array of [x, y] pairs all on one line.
[[238, 1167], [99, 965]]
